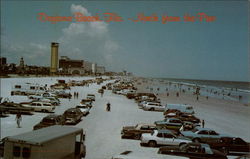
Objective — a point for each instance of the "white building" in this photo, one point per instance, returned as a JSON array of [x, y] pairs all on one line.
[[100, 69], [94, 66]]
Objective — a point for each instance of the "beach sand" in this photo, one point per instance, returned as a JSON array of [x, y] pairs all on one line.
[[225, 116]]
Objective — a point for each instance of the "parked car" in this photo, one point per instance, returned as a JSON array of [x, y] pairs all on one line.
[[153, 106], [136, 131], [185, 108], [87, 102], [50, 120], [162, 137], [183, 117], [72, 115], [63, 94], [169, 123], [52, 100], [91, 97], [39, 106], [100, 90], [193, 151], [84, 109], [142, 103], [205, 135], [232, 146]]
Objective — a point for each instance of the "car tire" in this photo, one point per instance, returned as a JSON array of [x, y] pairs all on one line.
[[44, 111], [137, 136], [151, 109], [224, 150], [197, 140], [152, 144], [182, 144]]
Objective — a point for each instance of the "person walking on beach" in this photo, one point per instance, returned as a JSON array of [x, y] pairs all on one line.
[[108, 108], [203, 123], [18, 119]]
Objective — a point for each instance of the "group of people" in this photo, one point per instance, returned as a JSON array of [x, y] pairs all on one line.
[[76, 94]]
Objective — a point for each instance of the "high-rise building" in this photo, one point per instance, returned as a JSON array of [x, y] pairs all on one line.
[[54, 58], [21, 64], [94, 65], [3, 61]]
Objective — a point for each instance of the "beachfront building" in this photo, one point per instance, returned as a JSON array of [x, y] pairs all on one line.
[[87, 67], [54, 58], [70, 66], [100, 70], [94, 66]]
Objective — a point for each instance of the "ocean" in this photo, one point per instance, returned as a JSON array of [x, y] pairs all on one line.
[[227, 90]]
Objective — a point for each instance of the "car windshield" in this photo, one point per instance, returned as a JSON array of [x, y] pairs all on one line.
[[189, 108]]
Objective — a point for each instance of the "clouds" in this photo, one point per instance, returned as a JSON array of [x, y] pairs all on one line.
[[78, 40], [33, 53], [91, 40]]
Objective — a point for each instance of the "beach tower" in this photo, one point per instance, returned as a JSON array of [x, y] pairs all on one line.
[[21, 64], [54, 58], [94, 66]]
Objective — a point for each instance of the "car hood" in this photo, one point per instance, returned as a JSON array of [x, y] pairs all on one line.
[[188, 133]]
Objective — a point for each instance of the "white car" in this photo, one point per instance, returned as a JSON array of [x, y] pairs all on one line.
[[152, 106], [40, 106], [91, 97], [163, 137], [84, 109]]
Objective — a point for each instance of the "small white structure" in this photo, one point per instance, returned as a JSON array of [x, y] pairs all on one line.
[[94, 66]]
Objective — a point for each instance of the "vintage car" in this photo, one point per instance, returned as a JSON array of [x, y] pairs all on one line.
[[162, 137], [87, 102], [63, 94], [232, 146], [153, 106], [52, 100], [39, 106], [183, 117], [91, 97], [169, 123], [100, 90], [84, 109], [136, 131], [205, 135], [193, 151], [72, 115], [49, 121]]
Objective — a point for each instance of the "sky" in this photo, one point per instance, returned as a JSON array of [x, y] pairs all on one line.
[[216, 50]]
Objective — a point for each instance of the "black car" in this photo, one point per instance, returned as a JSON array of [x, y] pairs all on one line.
[[232, 146], [72, 115], [193, 151], [49, 121], [135, 132]]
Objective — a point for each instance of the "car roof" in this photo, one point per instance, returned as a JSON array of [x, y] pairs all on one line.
[[40, 136]]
